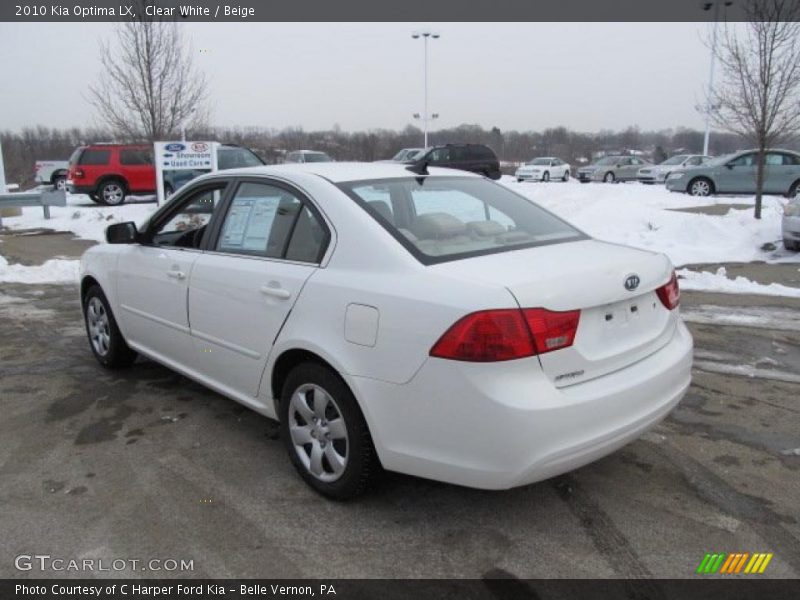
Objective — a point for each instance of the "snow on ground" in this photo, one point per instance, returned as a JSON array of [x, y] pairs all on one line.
[[632, 214], [705, 281], [761, 317]]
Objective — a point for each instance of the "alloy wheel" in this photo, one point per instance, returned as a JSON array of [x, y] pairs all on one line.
[[701, 188], [318, 432], [97, 320], [112, 193]]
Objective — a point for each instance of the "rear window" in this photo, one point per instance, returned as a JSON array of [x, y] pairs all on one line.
[[447, 218], [94, 157], [73, 158]]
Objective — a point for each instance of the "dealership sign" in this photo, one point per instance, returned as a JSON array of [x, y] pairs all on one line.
[[179, 162]]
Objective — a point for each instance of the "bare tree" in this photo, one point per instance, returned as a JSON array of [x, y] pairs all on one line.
[[759, 96], [148, 87]]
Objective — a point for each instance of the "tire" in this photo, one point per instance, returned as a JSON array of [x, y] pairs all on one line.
[[111, 192], [168, 191], [566, 175], [700, 187], [349, 445], [791, 245], [60, 182], [794, 191], [546, 176], [519, 180], [609, 177], [105, 338]]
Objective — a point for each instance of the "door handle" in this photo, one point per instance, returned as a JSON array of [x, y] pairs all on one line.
[[276, 292], [176, 274]]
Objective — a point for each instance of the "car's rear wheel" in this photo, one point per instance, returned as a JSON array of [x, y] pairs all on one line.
[[105, 338], [794, 191], [701, 186], [60, 182], [546, 176], [112, 192], [609, 177], [325, 433], [566, 175]]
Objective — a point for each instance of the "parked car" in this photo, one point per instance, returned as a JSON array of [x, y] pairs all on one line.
[[612, 169], [790, 225], [307, 156], [438, 324], [407, 154], [476, 158], [543, 169], [51, 172], [108, 173], [736, 174], [659, 173]]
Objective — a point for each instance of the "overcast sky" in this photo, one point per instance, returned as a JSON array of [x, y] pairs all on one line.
[[361, 76]]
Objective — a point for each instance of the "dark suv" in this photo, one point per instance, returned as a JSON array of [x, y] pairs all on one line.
[[467, 157], [109, 172]]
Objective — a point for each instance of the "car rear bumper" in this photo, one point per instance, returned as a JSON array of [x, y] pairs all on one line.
[[501, 425], [790, 227]]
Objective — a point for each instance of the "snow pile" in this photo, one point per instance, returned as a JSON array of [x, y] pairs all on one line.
[[57, 270], [637, 215], [705, 281]]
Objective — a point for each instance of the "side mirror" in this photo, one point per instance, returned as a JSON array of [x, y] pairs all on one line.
[[122, 233]]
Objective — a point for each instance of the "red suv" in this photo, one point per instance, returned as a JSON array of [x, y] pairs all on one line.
[[109, 172]]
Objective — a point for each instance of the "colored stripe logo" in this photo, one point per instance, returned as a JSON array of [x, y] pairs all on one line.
[[734, 563]]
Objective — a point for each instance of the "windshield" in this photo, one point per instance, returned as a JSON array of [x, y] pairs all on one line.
[[675, 160], [447, 218], [540, 161], [234, 158], [721, 160], [400, 155], [317, 157], [608, 160]]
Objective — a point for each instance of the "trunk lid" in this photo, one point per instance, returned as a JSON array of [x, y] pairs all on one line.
[[617, 327]]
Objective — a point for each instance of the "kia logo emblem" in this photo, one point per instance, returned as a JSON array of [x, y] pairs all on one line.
[[631, 282]]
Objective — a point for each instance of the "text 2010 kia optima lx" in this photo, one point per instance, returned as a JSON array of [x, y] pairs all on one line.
[[436, 324]]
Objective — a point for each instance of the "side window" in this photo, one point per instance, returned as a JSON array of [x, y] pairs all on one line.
[[790, 160], [186, 225], [693, 161], [135, 157], [440, 154], [463, 154], [94, 157], [773, 160], [270, 221], [746, 160]]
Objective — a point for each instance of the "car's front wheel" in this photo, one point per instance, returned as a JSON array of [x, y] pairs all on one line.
[[546, 176], [701, 187], [325, 433], [105, 338], [794, 191], [566, 176], [609, 177], [791, 245]]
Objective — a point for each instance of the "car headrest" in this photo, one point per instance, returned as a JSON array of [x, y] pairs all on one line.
[[438, 225], [485, 228], [383, 209]]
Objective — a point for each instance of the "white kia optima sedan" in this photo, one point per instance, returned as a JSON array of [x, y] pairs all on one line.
[[432, 323]]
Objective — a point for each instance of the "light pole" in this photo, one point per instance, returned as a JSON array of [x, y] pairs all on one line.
[[708, 108], [425, 115]]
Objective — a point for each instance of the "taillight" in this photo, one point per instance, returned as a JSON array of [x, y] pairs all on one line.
[[670, 293], [552, 330], [506, 334]]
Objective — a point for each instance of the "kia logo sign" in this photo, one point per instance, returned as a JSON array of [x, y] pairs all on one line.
[[174, 147], [199, 147], [632, 282]]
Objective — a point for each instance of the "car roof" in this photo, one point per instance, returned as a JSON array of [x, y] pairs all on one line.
[[337, 172]]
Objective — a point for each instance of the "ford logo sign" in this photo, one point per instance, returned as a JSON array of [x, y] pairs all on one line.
[[174, 147], [632, 282]]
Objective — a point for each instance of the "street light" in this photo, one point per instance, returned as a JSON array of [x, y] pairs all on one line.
[[425, 116], [708, 108]]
